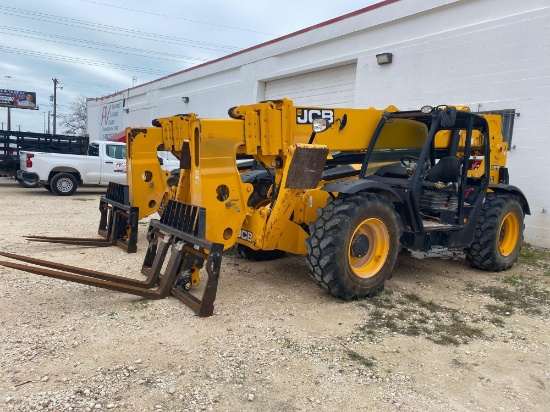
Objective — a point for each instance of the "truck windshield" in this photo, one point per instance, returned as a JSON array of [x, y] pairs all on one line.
[[398, 138]]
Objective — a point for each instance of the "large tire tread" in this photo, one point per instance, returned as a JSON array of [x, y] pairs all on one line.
[[327, 249], [483, 253]]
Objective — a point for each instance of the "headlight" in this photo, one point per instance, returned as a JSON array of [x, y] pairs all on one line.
[[320, 125], [426, 109]]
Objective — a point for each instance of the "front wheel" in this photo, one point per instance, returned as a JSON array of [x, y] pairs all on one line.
[[499, 234], [64, 184], [353, 245]]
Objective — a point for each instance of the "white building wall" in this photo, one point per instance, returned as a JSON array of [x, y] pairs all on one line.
[[489, 54]]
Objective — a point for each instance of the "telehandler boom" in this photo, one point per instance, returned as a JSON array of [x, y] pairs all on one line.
[[348, 188]]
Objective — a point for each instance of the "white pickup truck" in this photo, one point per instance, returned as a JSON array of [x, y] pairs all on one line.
[[62, 173]]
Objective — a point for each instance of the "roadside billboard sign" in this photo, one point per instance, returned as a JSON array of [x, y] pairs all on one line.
[[111, 119], [18, 99]]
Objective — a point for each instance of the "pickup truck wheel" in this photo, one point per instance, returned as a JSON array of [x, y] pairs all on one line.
[[48, 188], [64, 184], [27, 184]]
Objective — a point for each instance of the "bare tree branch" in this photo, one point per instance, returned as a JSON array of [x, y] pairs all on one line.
[[75, 122]]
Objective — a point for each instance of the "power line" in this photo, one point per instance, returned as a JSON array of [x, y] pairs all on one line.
[[95, 86], [78, 60], [99, 48], [11, 31], [67, 82], [115, 30], [179, 18]]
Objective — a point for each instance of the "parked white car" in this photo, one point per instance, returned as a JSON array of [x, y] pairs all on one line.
[[62, 173]]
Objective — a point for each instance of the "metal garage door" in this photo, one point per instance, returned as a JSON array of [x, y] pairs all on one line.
[[333, 87]]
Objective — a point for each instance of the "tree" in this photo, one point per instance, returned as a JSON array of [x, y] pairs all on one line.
[[74, 123]]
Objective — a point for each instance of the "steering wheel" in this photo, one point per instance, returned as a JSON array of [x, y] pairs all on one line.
[[409, 161]]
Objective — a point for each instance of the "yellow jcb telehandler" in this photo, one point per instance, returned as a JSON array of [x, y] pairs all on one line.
[[347, 188]]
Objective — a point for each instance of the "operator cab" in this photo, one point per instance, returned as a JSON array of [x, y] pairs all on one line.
[[436, 160]]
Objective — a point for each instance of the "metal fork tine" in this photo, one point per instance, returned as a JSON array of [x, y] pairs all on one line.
[[151, 279], [60, 238], [112, 282], [77, 242]]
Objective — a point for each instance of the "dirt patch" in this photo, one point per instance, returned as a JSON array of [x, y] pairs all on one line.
[[441, 336]]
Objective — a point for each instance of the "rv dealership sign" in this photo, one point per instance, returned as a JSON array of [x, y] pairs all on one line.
[[111, 119]]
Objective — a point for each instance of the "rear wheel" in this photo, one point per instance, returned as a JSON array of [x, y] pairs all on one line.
[[499, 234], [353, 245], [27, 184], [64, 184]]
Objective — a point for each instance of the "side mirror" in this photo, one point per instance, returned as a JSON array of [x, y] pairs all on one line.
[[449, 116]]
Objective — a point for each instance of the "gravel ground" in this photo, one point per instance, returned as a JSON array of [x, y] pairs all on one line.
[[442, 336]]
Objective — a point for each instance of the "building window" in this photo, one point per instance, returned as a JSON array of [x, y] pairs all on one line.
[[508, 116]]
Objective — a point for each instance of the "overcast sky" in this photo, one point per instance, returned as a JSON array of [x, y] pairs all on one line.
[[97, 47]]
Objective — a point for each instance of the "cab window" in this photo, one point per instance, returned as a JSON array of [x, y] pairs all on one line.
[[93, 149], [116, 151]]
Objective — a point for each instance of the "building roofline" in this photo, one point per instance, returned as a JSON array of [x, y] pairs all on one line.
[[260, 45]]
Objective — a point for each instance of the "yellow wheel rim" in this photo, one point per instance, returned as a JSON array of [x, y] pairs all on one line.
[[368, 248], [508, 234]]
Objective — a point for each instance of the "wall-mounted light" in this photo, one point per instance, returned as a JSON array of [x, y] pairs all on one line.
[[384, 58], [185, 99]]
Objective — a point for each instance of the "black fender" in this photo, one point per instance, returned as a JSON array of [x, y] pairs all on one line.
[[352, 186], [250, 177], [512, 190]]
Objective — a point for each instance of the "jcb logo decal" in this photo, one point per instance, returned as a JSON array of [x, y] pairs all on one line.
[[306, 116], [245, 235]]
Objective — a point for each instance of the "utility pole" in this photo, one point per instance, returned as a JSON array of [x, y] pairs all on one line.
[[55, 83], [9, 108], [49, 122]]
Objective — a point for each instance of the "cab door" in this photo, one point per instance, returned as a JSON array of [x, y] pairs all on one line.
[[114, 164]]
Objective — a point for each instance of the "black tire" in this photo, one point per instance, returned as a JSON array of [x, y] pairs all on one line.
[[499, 234], [64, 184], [27, 184], [258, 255], [48, 188], [353, 245]]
